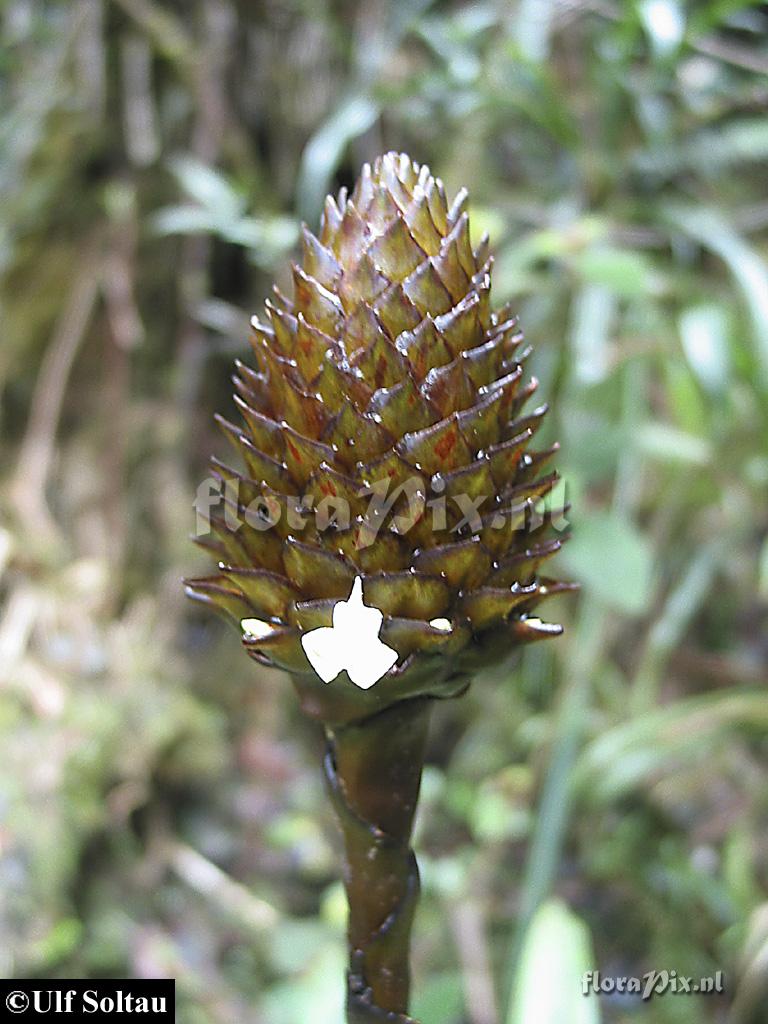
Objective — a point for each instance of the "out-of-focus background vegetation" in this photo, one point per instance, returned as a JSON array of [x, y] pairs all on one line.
[[162, 812]]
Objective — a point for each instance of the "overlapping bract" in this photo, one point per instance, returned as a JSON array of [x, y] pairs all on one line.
[[387, 369]]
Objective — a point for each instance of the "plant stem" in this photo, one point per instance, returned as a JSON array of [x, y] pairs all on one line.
[[373, 771]]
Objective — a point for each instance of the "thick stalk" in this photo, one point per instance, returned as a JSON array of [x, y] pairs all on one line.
[[373, 770]]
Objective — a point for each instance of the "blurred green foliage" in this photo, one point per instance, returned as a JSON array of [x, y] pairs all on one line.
[[161, 809]]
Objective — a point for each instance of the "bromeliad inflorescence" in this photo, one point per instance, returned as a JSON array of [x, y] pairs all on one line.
[[386, 446]]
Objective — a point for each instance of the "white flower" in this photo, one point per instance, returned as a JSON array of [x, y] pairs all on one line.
[[352, 643]]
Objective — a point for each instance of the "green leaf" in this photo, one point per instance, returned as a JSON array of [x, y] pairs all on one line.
[[59, 942], [556, 955], [592, 316], [762, 585], [624, 272], [487, 219], [208, 187], [667, 443], [440, 1000], [374, 50], [711, 229], [316, 995], [744, 141], [740, 870], [612, 560], [710, 152], [532, 28], [493, 816], [325, 149], [715, 14], [681, 605], [267, 239], [293, 944], [664, 21], [628, 755], [183, 220], [704, 334]]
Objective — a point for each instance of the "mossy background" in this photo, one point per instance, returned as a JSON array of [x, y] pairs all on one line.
[[162, 810]]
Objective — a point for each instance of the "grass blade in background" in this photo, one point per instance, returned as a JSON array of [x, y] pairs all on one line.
[[712, 230], [556, 957]]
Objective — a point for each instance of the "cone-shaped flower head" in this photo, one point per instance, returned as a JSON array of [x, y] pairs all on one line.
[[386, 453]]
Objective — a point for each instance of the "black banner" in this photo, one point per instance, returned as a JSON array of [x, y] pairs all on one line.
[[98, 1001]]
